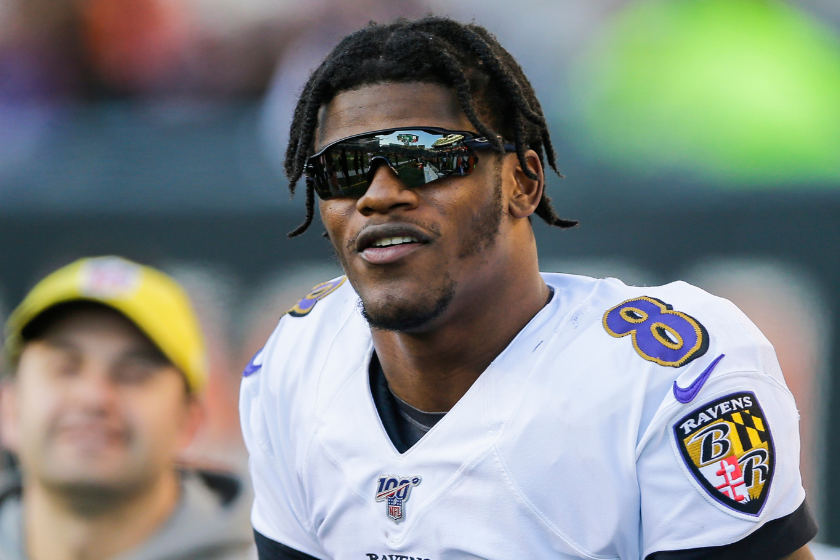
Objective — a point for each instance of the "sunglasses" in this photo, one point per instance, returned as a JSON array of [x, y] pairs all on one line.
[[417, 155]]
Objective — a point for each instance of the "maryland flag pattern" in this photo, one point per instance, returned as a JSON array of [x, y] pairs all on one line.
[[728, 448]]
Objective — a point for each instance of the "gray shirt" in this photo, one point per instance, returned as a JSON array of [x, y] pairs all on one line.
[[211, 522]]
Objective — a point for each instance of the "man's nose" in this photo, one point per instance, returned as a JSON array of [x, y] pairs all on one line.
[[94, 389], [386, 193]]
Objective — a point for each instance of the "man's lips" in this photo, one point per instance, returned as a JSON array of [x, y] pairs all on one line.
[[387, 255], [90, 434], [388, 243], [91, 437]]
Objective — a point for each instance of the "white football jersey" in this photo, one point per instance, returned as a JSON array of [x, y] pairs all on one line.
[[620, 421]]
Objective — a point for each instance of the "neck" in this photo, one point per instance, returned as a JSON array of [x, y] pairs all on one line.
[[58, 527], [432, 370]]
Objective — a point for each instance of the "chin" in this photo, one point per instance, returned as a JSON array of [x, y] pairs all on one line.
[[95, 490], [106, 477], [75, 482], [409, 314], [113, 470], [92, 498]]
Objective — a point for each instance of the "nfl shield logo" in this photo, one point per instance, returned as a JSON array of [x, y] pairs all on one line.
[[395, 490]]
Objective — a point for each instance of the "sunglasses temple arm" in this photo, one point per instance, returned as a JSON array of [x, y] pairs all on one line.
[[480, 144]]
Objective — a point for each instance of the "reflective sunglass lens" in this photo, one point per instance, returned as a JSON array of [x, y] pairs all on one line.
[[416, 156]]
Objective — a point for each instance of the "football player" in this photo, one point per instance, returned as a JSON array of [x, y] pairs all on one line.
[[447, 400]]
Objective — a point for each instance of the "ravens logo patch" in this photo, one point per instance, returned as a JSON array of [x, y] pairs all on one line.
[[728, 448]]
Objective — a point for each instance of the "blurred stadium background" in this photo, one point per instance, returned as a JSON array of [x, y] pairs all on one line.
[[700, 140]]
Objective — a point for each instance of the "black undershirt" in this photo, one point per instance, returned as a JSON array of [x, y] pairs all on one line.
[[404, 424]]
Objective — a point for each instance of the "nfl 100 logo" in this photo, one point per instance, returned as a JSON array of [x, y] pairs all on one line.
[[395, 490]]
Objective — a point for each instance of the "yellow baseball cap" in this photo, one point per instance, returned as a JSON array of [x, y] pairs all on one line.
[[147, 297]]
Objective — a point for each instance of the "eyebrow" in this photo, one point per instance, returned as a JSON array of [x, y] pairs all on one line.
[[143, 352], [60, 343], [146, 353]]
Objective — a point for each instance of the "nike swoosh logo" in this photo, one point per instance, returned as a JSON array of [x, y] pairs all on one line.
[[253, 366], [687, 395]]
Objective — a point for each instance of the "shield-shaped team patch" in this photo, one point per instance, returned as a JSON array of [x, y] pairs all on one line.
[[727, 446]]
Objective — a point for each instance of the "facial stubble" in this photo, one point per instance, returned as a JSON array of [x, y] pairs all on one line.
[[402, 315], [87, 494]]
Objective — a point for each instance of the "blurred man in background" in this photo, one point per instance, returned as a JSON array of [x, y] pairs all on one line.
[[107, 364]]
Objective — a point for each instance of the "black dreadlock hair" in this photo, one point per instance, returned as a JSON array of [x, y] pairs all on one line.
[[465, 57]]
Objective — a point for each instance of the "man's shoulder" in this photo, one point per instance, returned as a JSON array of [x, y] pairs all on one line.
[[211, 521], [11, 515], [313, 346], [644, 338], [327, 303], [609, 290], [676, 324], [678, 312], [308, 330]]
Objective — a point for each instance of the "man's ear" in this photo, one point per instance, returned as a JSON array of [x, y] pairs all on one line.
[[527, 192], [9, 428]]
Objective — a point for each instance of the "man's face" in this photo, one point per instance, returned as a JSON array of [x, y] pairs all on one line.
[[456, 225], [94, 407]]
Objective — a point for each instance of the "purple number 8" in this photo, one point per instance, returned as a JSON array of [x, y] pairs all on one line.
[[660, 334], [319, 292]]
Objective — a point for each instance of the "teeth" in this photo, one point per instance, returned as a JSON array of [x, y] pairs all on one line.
[[388, 241]]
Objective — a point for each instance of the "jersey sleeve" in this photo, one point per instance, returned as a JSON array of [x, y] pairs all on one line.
[[278, 513], [716, 469], [268, 549], [774, 540]]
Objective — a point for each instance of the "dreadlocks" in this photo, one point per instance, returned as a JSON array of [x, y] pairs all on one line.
[[466, 58]]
